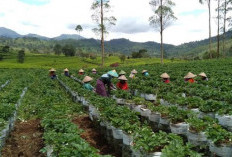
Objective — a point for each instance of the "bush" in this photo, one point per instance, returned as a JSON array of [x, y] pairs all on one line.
[[21, 56]]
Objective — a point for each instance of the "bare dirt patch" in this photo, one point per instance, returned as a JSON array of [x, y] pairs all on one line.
[[25, 140], [93, 136]]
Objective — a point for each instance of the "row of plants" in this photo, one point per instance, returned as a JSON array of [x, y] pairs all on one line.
[[10, 99], [47, 101], [120, 117]]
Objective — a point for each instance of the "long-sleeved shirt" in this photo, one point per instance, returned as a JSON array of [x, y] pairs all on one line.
[[88, 86]]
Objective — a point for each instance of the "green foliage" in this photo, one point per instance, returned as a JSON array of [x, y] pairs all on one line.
[[122, 58], [141, 54], [57, 49], [69, 50], [218, 135], [177, 148], [21, 56]]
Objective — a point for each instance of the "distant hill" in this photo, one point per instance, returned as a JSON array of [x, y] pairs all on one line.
[[41, 44], [68, 36], [196, 47], [8, 33], [5, 32], [36, 36]]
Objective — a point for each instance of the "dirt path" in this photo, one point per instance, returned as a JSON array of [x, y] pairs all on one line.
[[25, 140], [93, 136]]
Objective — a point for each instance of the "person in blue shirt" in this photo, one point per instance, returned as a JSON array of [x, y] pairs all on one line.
[[66, 72], [52, 73], [145, 73], [87, 84]]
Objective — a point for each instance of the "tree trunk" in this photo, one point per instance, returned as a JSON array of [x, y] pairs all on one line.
[[161, 33], [209, 6], [224, 29], [102, 34], [218, 38]]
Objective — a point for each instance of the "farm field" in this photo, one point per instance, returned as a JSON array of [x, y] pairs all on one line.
[[44, 117], [45, 61]]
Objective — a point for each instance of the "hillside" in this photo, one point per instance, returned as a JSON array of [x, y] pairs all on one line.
[[36, 43]]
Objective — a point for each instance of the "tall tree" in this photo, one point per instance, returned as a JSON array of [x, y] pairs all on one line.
[[218, 29], [162, 18], [79, 29], [224, 9], [100, 8], [209, 9]]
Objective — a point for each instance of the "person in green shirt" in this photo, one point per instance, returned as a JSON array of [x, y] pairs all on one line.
[[87, 84]]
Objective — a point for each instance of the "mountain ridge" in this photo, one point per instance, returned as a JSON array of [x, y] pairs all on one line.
[[120, 45]]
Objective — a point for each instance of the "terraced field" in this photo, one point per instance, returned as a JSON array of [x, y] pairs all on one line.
[[44, 117]]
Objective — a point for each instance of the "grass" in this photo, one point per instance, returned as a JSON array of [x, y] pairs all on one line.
[[45, 61]]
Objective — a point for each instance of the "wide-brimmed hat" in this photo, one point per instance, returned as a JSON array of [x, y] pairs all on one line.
[[87, 79], [52, 69], [113, 73], [202, 74], [122, 72], [94, 70], [190, 75], [123, 77], [144, 71], [164, 75], [66, 69], [81, 71], [134, 71]]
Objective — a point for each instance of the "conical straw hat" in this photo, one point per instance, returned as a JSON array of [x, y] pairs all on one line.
[[123, 77], [202, 74], [144, 71], [66, 69], [87, 79], [81, 71], [52, 69], [113, 73], [122, 72], [134, 71], [190, 75], [164, 75], [93, 70]]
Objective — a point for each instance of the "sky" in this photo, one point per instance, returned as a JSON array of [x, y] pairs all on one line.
[[54, 17]]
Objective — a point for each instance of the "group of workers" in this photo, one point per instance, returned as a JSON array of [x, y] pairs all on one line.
[[104, 85]]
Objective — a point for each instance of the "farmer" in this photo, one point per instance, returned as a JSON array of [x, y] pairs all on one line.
[[94, 71], [122, 73], [165, 78], [122, 84], [87, 84], [81, 72], [189, 78], [66, 72], [145, 73], [133, 72], [203, 76], [105, 80], [52, 73]]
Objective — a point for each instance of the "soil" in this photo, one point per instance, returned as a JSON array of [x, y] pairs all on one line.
[[93, 136], [25, 140]]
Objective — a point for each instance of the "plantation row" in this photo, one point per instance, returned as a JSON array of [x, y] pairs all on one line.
[[45, 100], [210, 98], [124, 125]]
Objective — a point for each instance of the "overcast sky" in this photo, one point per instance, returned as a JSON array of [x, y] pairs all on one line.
[[54, 17]]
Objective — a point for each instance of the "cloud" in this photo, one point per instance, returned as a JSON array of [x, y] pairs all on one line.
[[131, 25], [196, 12], [26, 23], [35, 2], [57, 17]]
